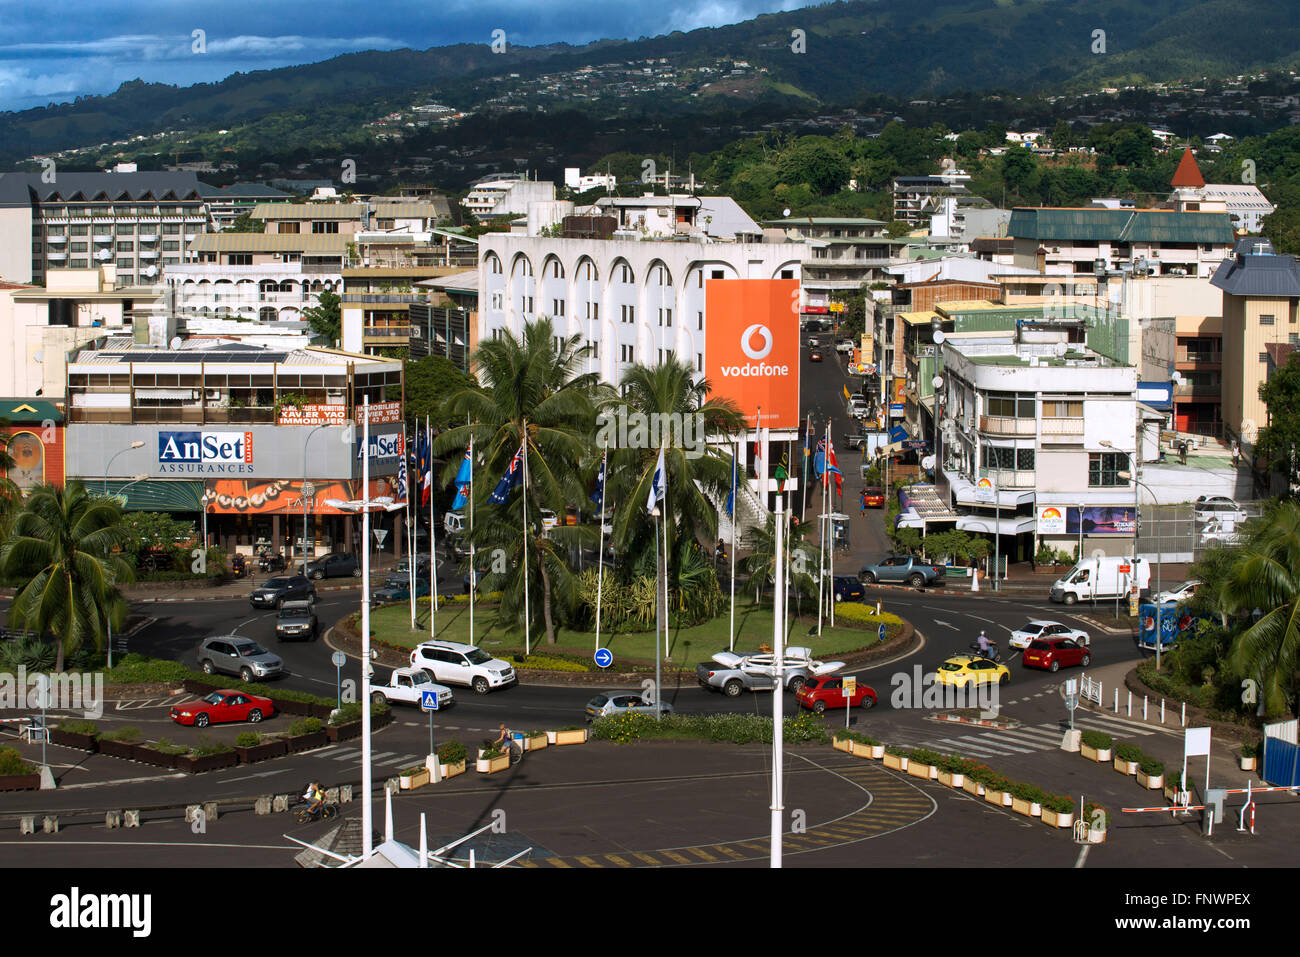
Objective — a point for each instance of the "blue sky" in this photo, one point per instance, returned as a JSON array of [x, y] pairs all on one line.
[[54, 52]]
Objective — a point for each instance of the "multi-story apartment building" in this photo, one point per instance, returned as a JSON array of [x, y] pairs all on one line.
[[506, 195], [137, 222], [314, 219], [227, 434], [916, 197], [1077, 242], [228, 203], [680, 214], [1261, 328], [841, 254]]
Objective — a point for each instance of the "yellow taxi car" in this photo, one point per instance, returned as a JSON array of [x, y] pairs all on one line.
[[963, 670]]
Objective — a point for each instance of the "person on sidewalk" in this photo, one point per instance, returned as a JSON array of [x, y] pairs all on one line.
[[862, 502], [1236, 454]]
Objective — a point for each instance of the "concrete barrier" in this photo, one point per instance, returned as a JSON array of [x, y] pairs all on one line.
[[27, 824], [112, 819], [130, 818], [210, 810], [281, 803], [345, 793], [262, 805], [331, 795], [50, 824]]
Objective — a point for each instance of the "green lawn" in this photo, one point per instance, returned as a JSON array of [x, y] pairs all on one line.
[[686, 647]]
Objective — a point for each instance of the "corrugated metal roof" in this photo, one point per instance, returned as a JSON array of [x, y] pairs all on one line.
[[269, 242], [1247, 275], [1121, 225], [21, 189], [308, 211]]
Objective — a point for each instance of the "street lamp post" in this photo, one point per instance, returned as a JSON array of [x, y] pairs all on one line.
[[134, 480], [307, 491], [137, 444]]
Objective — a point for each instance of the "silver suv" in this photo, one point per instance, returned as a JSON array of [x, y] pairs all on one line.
[[236, 655], [454, 663]]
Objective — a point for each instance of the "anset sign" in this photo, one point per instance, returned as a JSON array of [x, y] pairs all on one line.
[[219, 453], [384, 448]]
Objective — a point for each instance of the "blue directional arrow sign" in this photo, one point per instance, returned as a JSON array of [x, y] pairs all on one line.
[[604, 657], [429, 700], [882, 632]]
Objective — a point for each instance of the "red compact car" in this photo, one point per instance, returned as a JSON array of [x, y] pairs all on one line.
[[223, 706], [875, 498], [828, 692], [1055, 653]]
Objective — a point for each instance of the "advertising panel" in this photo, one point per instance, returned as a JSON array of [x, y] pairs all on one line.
[[313, 415], [1051, 520], [900, 391], [194, 452], [382, 413], [1100, 520], [752, 347], [253, 497], [384, 449]]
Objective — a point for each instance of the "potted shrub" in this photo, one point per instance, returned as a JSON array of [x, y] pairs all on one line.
[[1027, 799], [1151, 773], [451, 758], [121, 743], [15, 773], [1096, 746], [997, 789], [535, 740], [161, 754], [1058, 811], [413, 777], [1249, 755], [1127, 758], [923, 763], [573, 734], [251, 746], [1174, 786], [305, 734], [1098, 818], [896, 757], [209, 755], [842, 742], [953, 771], [859, 745], [83, 735], [491, 760]]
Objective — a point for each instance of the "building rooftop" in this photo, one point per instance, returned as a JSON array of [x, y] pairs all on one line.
[[242, 191], [1258, 274], [304, 211], [328, 243], [23, 189], [1120, 225]]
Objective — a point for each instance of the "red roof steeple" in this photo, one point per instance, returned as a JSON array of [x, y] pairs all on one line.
[[1187, 176]]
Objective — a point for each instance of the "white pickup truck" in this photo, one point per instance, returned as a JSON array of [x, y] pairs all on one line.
[[407, 685], [732, 673]]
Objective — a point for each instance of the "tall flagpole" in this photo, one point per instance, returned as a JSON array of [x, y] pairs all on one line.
[[433, 533], [366, 783], [410, 523], [778, 697], [735, 510], [600, 557], [527, 606], [830, 527], [473, 569], [667, 615]]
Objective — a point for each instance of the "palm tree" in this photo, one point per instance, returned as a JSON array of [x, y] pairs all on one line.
[[1265, 577], [698, 477], [801, 560], [62, 546], [532, 392]]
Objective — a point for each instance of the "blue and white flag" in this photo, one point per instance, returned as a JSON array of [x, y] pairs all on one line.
[[731, 496], [598, 496], [513, 476], [401, 473], [659, 486], [463, 476]]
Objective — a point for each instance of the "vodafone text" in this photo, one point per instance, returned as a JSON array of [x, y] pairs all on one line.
[[760, 369]]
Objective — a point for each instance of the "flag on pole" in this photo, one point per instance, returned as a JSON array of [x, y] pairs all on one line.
[[758, 447], [781, 473], [424, 465], [508, 481], [832, 466], [401, 472], [731, 496], [598, 496], [658, 485], [463, 479], [807, 439]]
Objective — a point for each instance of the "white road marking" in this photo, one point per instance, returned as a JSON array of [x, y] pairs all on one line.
[[945, 624], [960, 746], [1083, 855]]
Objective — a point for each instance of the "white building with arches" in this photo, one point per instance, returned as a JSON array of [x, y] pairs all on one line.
[[630, 301]]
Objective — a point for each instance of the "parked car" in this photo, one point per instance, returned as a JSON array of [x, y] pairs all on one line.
[[902, 568], [1218, 532], [733, 672], [334, 565], [407, 686], [875, 497], [858, 408], [222, 707], [1179, 592], [296, 619], [828, 692], [963, 670], [622, 702], [453, 663], [453, 523], [815, 356], [399, 590], [844, 346], [236, 655], [1053, 653], [1034, 630], [848, 588], [274, 592], [857, 440], [1221, 507], [549, 519]]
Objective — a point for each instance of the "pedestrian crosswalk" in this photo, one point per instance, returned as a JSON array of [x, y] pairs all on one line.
[[1023, 740], [380, 759]]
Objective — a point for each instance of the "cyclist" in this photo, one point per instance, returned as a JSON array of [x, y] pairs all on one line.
[[317, 794]]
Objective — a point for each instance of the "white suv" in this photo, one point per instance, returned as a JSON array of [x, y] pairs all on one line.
[[454, 663]]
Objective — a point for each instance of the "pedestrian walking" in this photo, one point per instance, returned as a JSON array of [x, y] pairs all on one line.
[[1236, 454], [862, 502]]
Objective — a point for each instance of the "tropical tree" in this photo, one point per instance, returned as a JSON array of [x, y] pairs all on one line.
[[63, 547], [666, 406], [326, 317], [1264, 580], [801, 558], [533, 393]]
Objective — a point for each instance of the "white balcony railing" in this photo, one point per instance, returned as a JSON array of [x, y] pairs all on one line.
[[1007, 425], [1009, 478], [1062, 428]]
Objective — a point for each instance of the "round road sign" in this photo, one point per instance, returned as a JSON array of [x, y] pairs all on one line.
[[339, 659], [604, 657]]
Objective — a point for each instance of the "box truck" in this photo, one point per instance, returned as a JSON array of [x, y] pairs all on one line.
[[1107, 577]]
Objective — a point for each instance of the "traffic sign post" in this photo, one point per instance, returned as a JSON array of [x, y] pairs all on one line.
[[850, 688], [339, 659], [604, 657], [429, 704], [881, 631]]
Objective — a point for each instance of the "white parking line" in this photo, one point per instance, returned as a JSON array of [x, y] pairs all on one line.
[[966, 746]]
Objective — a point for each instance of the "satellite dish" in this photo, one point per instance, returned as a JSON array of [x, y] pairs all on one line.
[[1060, 348], [785, 212], [927, 462], [939, 337], [175, 343]]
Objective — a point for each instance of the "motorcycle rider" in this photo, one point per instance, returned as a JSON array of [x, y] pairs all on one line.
[[985, 645]]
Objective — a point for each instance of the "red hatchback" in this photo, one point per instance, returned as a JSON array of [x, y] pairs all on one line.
[[223, 706], [1055, 653], [828, 692]]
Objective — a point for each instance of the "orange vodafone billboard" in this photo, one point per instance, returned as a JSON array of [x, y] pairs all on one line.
[[752, 347]]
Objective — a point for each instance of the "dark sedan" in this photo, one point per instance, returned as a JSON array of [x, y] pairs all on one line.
[[276, 591]]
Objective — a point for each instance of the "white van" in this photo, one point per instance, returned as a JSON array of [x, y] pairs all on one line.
[[453, 523], [1101, 578]]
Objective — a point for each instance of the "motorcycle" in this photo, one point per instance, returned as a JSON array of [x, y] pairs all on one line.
[[238, 565], [268, 562], [993, 654]]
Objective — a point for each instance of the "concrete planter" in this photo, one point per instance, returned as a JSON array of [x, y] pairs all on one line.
[[952, 780], [896, 762], [451, 770], [1027, 808], [209, 762], [927, 771], [1056, 819], [1152, 782], [68, 739], [1000, 798], [306, 742], [418, 779], [1096, 835], [842, 744], [20, 782], [1126, 767], [157, 759], [1247, 764], [261, 752], [119, 749], [567, 737], [872, 752], [1093, 754], [971, 786], [535, 742], [491, 765]]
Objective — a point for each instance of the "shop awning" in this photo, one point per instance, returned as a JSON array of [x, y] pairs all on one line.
[[1009, 525], [153, 495]]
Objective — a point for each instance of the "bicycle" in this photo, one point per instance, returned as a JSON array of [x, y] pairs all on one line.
[[322, 813], [512, 748]]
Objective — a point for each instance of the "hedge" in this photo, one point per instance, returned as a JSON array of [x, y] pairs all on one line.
[[305, 726], [860, 614], [207, 746], [1097, 740], [352, 712], [856, 736], [78, 727], [11, 762], [548, 663], [733, 728]]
